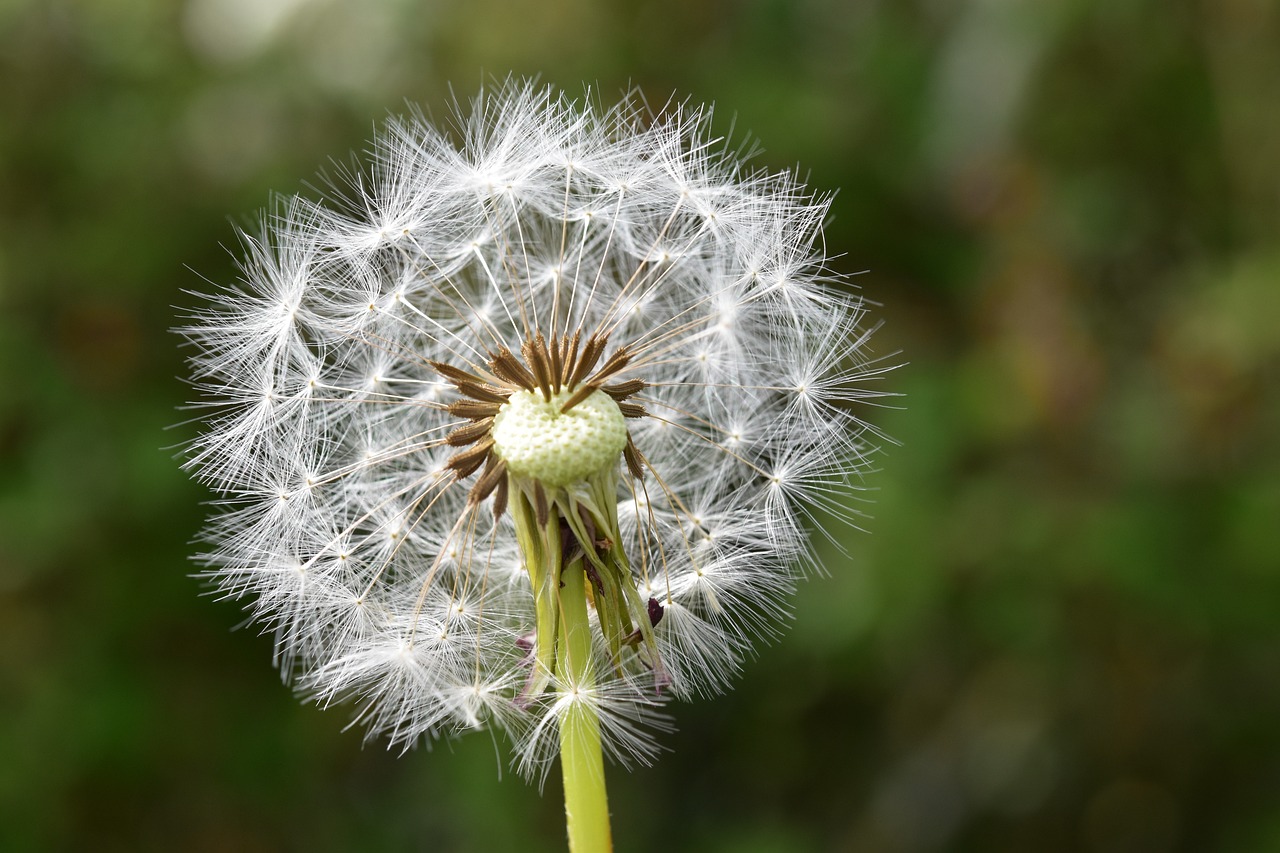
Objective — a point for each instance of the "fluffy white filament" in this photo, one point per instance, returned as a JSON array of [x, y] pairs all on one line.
[[338, 521]]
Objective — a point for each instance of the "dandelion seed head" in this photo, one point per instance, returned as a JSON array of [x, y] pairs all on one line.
[[593, 321]]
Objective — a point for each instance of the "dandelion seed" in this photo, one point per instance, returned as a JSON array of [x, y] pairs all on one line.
[[522, 430]]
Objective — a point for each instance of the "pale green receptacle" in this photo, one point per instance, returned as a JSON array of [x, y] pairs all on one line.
[[539, 442]]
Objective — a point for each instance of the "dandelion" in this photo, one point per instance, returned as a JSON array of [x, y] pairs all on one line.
[[522, 425]]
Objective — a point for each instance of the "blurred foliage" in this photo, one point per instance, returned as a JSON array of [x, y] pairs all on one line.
[[1061, 629]]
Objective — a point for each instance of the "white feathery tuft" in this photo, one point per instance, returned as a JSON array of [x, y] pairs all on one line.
[[339, 520]]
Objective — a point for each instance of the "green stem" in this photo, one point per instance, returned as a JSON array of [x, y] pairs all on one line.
[[586, 804]]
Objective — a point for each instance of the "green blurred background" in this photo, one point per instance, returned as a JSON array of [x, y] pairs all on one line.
[[1061, 631]]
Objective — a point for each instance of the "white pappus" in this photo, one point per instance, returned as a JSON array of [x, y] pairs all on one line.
[[556, 252]]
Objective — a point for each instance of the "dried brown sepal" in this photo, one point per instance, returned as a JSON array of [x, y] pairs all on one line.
[[621, 358], [473, 410], [554, 354], [455, 374], [484, 393], [535, 354], [632, 410], [465, 462], [591, 352], [500, 497], [578, 396], [622, 390], [467, 433], [541, 509], [495, 471], [635, 461], [570, 357], [508, 367]]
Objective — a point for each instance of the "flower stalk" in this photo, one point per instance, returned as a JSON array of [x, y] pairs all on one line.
[[562, 655], [571, 545], [586, 804]]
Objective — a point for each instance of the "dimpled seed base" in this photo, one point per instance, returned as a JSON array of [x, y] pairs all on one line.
[[556, 449]]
